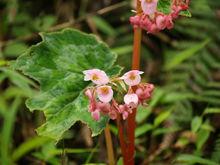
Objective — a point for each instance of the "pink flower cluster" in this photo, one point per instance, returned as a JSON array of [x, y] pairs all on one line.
[[154, 21], [101, 100]]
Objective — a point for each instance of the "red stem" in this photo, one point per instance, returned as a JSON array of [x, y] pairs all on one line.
[[127, 129]]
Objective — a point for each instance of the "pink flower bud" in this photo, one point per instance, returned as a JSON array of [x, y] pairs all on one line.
[[161, 22], [113, 115], [150, 87], [105, 93], [132, 78], [135, 20], [97, 76], [149, 7], [88, 93], [122, 108], [92, 105], [96, 115], [175, 11], [104, 107], [145, 23], [153, 28], [125, 115], [169, 22]]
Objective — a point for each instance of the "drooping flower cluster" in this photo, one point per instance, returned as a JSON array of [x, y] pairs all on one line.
[[101, 95], [154, 21]]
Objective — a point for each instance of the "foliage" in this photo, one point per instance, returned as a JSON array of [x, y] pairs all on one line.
[[63, 56], [180, 125]]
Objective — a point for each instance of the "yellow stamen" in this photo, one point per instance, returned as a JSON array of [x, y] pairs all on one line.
[[148, 1], [95, 77], [132, 77], [104, 90]]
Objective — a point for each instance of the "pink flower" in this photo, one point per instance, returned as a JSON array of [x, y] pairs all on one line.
[[105, 93], [97, 76], [144, 92], [149, 7], [132, 78], [96, 115], [161, 22], [131, 100]]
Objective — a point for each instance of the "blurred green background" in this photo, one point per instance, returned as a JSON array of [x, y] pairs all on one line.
[[181, 125]]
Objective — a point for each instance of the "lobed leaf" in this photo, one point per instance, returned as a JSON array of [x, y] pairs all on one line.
[[57, 64]]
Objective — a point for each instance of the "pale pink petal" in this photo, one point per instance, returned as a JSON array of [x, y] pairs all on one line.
[[149, 7], [96, 115], [105, 93], [131, 99], [97, 76], [133, 82], [132, 77]]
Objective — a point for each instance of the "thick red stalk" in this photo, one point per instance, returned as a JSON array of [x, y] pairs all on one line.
[[127, 129]]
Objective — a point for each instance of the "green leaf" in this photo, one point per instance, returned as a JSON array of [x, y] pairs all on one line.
[[202, 137], [162, 117], [186, 13], [191, 159], [14, 49], [164, 6], [211, 110], [57, 64], [184, 55], [143, 129], [27, 146], [19, 80], [159, 131], [196, 123], [103, 26]]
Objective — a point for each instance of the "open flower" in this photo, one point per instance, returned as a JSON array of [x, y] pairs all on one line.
[[149, 7], [131, 100], [100, 96], [132, 77], [105, 93], [97, 76]]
